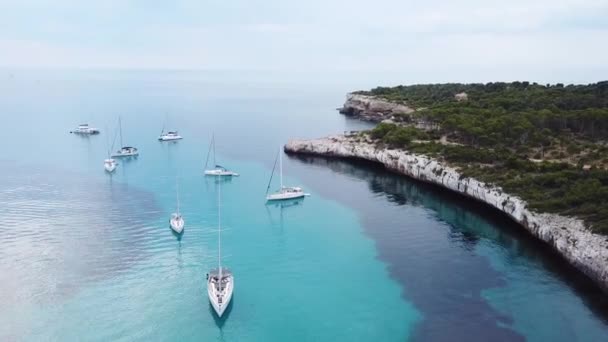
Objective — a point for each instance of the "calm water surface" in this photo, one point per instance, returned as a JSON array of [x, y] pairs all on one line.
[[369, 256]]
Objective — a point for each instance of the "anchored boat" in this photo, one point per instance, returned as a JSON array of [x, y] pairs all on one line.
[[218, 170], [124, 151], [177, 221], [220, 280], [169, 136], [109, 164], [85, 129], [284, 192]]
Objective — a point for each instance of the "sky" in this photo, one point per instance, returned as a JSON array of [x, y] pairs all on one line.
[[388, 40]]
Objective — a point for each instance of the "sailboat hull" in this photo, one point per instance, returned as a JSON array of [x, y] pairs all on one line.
[[220, 300], [220, 173], [84, 129], [169, 138], [281, 196], [177, 225], [109, 165], [120, 154], [285, 192], [91, 131]]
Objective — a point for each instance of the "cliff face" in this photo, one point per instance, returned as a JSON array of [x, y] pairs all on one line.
[[568, 236], [371, 108]]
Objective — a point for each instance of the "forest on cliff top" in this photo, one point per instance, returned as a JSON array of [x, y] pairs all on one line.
[[545, 143]]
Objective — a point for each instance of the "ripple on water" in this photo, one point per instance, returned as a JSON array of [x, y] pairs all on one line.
[[60, 231]]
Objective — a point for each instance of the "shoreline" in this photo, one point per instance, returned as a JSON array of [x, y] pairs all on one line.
[[586, 251]]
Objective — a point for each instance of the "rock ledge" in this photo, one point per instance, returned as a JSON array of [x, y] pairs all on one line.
[[372, 108], [585, 250]]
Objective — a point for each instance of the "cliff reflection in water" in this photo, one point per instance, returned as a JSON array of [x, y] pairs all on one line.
[[447, 251]]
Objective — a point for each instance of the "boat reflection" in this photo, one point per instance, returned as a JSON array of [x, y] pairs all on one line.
[[286, 203], [178, 236]]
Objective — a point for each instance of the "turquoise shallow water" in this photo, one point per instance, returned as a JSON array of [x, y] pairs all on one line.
[[369, 256], [280, 263]]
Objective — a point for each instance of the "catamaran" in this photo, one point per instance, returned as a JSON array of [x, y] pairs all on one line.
[[125, 151], [219, 170], [284, 192], [85, 129], [109, 164], [169, 135], [177, 221], [220, 281]]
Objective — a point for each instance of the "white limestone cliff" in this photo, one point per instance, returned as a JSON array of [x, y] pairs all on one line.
[[585, 250], [372, 108]]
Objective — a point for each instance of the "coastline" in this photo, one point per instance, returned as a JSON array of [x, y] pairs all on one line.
[[586, 251]]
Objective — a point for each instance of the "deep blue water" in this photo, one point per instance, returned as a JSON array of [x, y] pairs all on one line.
[[368, 256]]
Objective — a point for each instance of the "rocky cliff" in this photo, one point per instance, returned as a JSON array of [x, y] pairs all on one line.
[[568, 236], [372, 108]]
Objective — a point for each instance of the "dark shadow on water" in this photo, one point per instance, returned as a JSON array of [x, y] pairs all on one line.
[[127, 159], [178, 236], [180, 259], [220, 321], [83, 136], [441, 274], [285, 203], [168, 143], [216, 179]]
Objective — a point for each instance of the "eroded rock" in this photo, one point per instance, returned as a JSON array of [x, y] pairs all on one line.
[[567, 235]]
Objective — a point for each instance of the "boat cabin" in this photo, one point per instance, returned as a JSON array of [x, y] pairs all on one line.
[[214, 277]]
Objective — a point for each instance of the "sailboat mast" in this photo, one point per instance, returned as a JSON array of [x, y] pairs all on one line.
[[213, 139], [107, 141], [219, 231], [281, 166], [164, 124], [274, 166], [177, 194], [209, 152], [120, 130]]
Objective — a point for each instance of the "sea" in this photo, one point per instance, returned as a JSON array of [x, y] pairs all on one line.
[[368, 256]]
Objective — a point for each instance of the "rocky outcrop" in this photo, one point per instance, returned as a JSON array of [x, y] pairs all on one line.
[[460, 97], [568, 236], [372, 108]]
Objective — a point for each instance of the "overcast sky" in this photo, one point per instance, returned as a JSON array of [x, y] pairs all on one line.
[[431, 40]]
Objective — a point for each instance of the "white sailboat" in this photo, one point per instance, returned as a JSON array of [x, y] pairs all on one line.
[[125, 151], [85, 129], [169, 135], [218, 170], [177, 221], [284, 192], [109, 164], [220, 281]]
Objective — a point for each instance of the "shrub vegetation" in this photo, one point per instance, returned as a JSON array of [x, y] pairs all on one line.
[[530, 139]]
